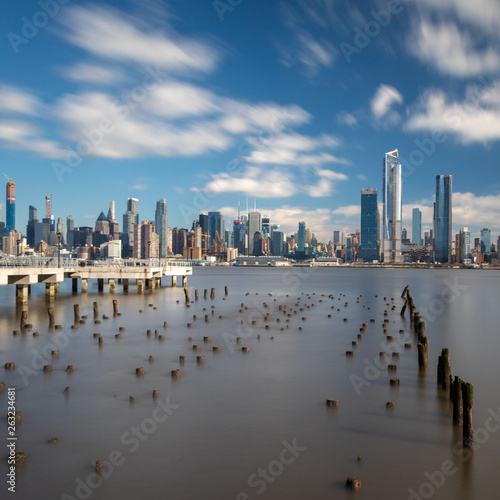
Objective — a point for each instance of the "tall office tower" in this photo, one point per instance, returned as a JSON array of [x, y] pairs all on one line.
[[161, 226], [111, 211], [465, 247], [203, 221], [278, 243], [349, 250], [130, 219], [30, 228], [308, 237], [60, 228], [416, 227], [70, 231], [10, 220], [133, 206], [485, 240], [215, 228], [404, 234], [254, 226], [239, 236], [102, 224], [369, 225], [442, 218], [392, 193], [257, 243], [338, 238], [301, 237]]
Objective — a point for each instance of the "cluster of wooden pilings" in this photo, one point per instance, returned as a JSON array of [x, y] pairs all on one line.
[[461, 395]]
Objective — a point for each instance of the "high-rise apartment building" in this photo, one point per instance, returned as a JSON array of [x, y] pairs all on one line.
[[130, 219], [146, 241], [416, 227], [369, 225], [10, 220], [216, 229], [30, 229], [393, 213], [485, 240], [301, 237], [465, 247], [70, 232], [443, 218], [161, 226]]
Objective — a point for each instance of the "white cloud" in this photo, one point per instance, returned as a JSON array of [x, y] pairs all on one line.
[[361, 177], [24, 136], [108, 34], [474, 119], [93, 73], [385, 97], [14, 100], [139, 187], [451, 51], [347, 119], [274, 183]]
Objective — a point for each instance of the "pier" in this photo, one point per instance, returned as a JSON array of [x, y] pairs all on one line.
[[26, 271]]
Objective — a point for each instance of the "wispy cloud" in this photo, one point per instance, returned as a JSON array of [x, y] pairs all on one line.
[[382, 102], [14, 100], [93, 73]]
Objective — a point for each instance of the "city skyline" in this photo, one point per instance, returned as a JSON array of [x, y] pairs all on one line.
[[207, 119]]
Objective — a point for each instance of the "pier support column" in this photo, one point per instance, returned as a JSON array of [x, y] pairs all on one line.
[[49, 290], [29, 290], [100, 284], [174, 280], [85, 285], [22, 294], [112, 286], [75, 284], [57, 288], [140, 285], [157, 282], [149, 284], [119, 281], [125, 284], [184, 280]]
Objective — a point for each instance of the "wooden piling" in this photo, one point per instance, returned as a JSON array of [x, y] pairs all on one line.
[[212, 293], [96, 310], [52, 319], [468, 402], [456, 398], [115, 307], [24, 319], [443, 369], [76, 310], [196, 295], [186, 294], [423, 349], [205, 293], [225, 290]]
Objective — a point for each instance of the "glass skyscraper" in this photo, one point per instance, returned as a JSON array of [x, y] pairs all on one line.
[[416, 227], [215, 225], [392, 194], [485, 240], [442, 218], [369, 225], [301, 237], [161, 226]]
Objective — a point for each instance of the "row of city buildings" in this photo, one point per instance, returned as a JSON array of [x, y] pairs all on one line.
[[381, 237]]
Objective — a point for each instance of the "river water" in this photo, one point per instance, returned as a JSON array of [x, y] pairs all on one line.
[[246, 425]]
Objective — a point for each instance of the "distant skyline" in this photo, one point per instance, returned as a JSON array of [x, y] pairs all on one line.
[[292, 103]]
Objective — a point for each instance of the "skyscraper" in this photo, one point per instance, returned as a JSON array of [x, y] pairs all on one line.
[[10, 221], [369, 225], [60, 228], [392, 194], [416, 227], [216, 228], [254, 226], [133, 206], [442, 218], [111, 210], [301, 237], [465, 249], [161, 226], [130, 219], [30, 229], [485, 240], [70, 231]]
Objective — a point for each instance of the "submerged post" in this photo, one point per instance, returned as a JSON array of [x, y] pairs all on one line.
[[468, 402], [115, 307], [76, 310], [52, 320], [423, 348], [443, 369], [212, 293], [186, 294], [456, 398], [96, 310]]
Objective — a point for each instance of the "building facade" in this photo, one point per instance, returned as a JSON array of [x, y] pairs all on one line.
[[369, 225], [443, 218]]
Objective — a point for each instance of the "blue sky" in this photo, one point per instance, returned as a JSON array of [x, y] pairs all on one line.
[[292, 103]]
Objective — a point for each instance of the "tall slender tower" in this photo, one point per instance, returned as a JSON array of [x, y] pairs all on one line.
[[416, 227], [393, 212], [10, 221], [161, 226], [369, 225], [442, 218]]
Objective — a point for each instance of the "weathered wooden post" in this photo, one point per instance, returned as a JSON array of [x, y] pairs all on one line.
[[443, 369], [212, 293], [76, 309], [96, 310], [423, 349], [186, 294], [225, 290], [468, 401], [456, 398], [115, 307], [205, 293], [24, 319], [52, 319], [196, 295]]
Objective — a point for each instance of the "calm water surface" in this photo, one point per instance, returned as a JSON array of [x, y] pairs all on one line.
[[224, 429]]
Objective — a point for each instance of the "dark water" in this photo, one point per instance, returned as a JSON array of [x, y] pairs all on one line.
[[255, 425]]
